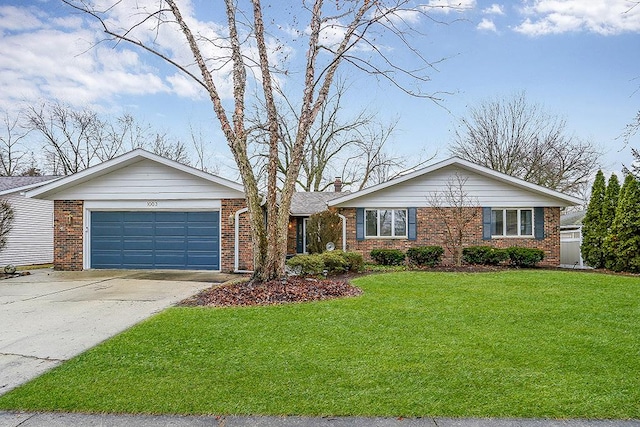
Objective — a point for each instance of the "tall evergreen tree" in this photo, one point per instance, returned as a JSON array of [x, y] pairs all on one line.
[[593, 230], [611, 200], [623, 241], [609, 206]]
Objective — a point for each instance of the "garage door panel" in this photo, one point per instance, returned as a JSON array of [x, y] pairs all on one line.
[[140, 217], [107, 230], [164, 244], [138, 244], [138, 230], [170, 230], [169, 240], [107, 244], [202, 246]]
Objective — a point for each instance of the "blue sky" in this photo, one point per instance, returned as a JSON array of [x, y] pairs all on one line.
[[577, 58]]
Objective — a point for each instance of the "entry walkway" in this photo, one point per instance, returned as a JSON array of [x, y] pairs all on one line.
[[9, 419]]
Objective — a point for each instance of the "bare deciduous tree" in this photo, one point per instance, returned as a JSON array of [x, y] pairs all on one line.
[[69, 136], [334, 33], [12, 150], [174, 150], [77, 139], [456, 210], [354, 148], [518, 138]]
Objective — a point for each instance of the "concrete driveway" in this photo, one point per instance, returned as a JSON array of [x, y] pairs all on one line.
[[49, 317]]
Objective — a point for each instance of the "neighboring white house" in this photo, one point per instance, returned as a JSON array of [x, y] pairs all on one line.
[[30, 240], [571, 240]]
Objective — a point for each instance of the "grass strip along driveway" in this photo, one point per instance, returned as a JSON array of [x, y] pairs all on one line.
[[506, 344]]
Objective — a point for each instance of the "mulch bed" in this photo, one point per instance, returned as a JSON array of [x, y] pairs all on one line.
[[294, 289]]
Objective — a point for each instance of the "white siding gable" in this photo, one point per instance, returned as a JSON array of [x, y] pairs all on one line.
[[147, 179], [30, 241], [419, 191]]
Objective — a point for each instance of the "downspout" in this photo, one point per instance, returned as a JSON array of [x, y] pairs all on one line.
[[236, 257], [344, 232]]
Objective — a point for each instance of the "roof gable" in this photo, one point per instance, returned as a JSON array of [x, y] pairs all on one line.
[[488, 187], [135, 175]]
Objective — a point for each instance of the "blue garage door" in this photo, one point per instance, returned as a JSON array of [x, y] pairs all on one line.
[[162, 240]]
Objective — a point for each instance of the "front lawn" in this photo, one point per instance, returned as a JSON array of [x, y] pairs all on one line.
[[506, 344]]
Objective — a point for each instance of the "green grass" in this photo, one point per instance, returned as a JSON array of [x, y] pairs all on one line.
[[507, 344]]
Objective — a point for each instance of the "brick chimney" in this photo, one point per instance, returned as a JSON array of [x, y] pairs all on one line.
[[337, 184]]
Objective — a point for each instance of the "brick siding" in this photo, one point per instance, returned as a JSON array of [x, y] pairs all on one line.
[[227, 236], [430, 231], [68, 234]]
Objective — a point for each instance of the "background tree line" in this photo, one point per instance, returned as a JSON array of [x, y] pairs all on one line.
[[56, 139]]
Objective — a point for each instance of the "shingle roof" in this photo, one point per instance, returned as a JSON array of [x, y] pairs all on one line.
[[10, 182], [572, 218], [309, 203]]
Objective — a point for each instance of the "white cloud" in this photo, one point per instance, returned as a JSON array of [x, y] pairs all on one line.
[[447, 6], [44, 56], [14, 18], [606, 17], [494, 9], [487, 25]]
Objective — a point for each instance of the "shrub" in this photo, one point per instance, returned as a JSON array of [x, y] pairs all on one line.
[[484, 255], [388, 256], [334, 262], [425, 255], [354, 260], [525, 257], [306, 264]]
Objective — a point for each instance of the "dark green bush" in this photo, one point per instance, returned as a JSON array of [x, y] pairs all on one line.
[[306, 265], [334, 262], [525, 257], [355, 261], [425, 255], [388, 256], [484, 255]]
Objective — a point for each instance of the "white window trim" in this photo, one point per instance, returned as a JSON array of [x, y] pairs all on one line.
[[393, 228], [504, 224]]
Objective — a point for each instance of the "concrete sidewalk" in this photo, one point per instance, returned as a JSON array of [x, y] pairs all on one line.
[[26, 419]]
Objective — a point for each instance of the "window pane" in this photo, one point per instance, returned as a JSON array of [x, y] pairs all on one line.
[[400, 223], [385, 222], [512, 223], [497, 224], [526, 222], [371, 223]]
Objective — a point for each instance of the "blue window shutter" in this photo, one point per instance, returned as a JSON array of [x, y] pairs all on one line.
[[299, 235], [486, 223], [538, 218], [360, 224], [412, 230]]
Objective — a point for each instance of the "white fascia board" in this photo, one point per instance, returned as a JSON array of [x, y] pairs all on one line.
[[465, 164], [119, 162]]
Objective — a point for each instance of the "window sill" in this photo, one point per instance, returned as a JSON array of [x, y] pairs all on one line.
[[512, 237], [385, 237]]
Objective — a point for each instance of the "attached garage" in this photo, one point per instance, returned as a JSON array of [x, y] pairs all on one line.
[[142, 211], [155, 240]]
